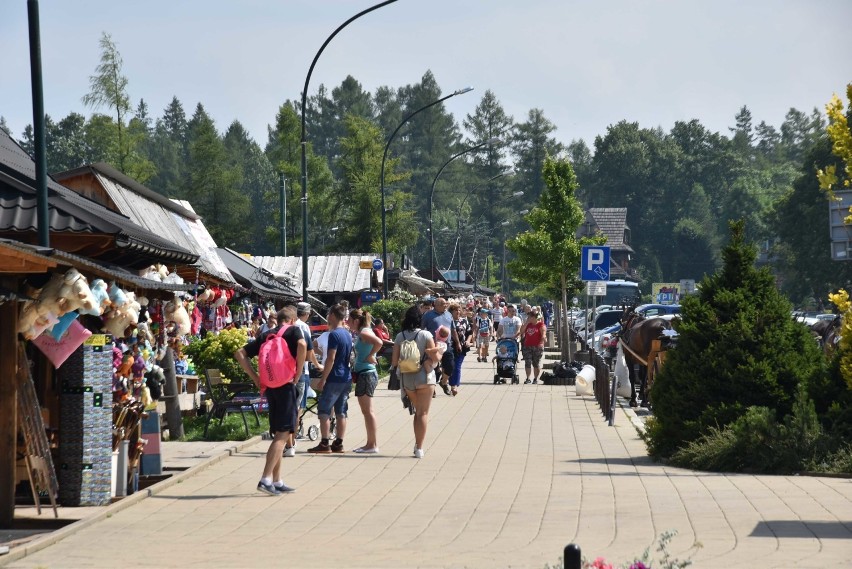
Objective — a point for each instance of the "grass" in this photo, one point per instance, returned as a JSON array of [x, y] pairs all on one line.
[[231, 429]]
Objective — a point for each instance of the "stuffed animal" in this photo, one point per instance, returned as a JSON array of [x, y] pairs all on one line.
[[61, 294], [117, 296], [117, 320], [175, 312], [101, 296], [126, 368]]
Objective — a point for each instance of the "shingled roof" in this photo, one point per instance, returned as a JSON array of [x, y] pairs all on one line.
[[71, 213], [612, 223]]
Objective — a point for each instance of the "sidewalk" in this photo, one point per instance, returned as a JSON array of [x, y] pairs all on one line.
[[512, 474]]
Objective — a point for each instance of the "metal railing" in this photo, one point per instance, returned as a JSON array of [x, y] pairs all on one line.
[[604, 389]]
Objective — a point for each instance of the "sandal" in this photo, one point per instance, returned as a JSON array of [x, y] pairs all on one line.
[[446, 388], [454, 391]]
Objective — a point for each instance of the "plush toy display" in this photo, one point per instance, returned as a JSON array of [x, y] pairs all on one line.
[[62, 326], [175, 312], [117, 320], [61, 294], [101, 296]]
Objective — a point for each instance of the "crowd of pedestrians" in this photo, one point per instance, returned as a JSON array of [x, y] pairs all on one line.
[[429, 351]]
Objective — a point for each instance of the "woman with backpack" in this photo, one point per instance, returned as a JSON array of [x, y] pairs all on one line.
[[367, 345], [409, 346]]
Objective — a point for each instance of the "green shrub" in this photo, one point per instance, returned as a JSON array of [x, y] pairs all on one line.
[[216, 351], [391, 311], [737, 348], [758, 442]]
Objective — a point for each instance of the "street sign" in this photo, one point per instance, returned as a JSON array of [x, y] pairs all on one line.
[[687, 286], [594, 263], [370, 297], [365, 265], [377, 265], [596, 288]]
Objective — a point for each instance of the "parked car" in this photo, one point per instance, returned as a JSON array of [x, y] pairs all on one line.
[[651, 310]]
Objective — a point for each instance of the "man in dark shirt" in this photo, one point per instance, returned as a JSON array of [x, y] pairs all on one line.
[[335, 383], [283, 406]]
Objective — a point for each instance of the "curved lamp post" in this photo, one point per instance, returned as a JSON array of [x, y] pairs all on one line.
[[492, 140], [384, 158], [304, 143]]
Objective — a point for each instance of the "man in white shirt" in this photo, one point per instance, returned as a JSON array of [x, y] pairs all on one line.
[[303, 312], [510, 325]]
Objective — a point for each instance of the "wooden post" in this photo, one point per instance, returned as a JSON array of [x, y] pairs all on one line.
[[8, 404]]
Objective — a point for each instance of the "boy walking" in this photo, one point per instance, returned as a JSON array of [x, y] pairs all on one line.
[[335, 383], [283, 406]]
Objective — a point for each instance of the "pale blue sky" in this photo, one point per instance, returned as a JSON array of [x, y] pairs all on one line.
[[587, 64]]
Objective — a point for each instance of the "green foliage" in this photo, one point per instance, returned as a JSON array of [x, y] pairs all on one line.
[[231, 429], [391, 311], [216, 351], [737, 348], [358, 202], [757, 442], [549, 253]]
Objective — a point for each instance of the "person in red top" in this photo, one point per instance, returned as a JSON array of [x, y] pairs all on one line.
[[380, 330], [533, 333]]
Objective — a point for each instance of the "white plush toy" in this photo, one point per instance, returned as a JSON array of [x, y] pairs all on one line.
[[61, 294], [174, 311], [117, 320]]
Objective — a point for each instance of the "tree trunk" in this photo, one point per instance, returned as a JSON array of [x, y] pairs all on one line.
[[566, 334]]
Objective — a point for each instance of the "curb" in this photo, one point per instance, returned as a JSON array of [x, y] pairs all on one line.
[[637, 422], [107, 511]]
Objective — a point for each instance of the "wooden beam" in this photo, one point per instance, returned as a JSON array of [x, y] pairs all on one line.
[[8, 404]]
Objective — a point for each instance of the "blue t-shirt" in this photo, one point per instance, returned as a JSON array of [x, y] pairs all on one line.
[[341, 340], [432, 321]]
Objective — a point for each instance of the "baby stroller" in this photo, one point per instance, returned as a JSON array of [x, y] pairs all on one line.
[[506, 361]]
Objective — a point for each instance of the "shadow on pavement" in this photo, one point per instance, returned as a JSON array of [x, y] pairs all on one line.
[[802, 529]]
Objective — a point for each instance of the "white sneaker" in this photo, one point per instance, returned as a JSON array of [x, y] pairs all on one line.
[[418, 452], [290, 451]]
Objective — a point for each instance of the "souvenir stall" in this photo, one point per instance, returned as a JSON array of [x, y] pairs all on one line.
[[107, 345]]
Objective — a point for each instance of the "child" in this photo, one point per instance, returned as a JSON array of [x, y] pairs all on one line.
[[434, 355], [502, 352]]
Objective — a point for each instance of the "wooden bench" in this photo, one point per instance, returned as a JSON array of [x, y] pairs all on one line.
[[229, 398]]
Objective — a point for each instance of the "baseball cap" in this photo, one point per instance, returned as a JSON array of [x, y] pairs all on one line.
[[303, 308]]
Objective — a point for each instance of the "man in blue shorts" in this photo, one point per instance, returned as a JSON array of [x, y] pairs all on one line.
[[335, 383], [283, 406]]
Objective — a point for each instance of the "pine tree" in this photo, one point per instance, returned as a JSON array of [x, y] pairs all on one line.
[[737, 347], [531, 143]]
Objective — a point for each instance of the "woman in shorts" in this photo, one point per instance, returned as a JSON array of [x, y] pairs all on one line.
[[482, 332], [533, 333], [366, 346], [419, 386]]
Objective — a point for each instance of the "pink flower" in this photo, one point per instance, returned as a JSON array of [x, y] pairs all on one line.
[[638, 565], [600, 563]]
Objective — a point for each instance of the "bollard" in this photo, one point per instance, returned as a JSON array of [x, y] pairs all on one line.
[[573, 559]]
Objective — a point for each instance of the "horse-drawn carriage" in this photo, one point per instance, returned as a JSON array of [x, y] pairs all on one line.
[[643, 342]]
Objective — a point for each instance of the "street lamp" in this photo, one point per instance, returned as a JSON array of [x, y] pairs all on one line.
[[382, 183], [304, 143], [492, 140]]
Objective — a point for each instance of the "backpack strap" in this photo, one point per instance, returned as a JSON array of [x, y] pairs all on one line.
[[280, 332]]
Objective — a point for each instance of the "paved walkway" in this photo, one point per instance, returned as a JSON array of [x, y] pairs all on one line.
[[511, 475]]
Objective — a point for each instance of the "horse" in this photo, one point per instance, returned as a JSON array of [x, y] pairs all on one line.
[[637, 333], [827, 333]]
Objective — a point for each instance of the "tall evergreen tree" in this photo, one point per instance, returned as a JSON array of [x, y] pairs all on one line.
[[737, 347], [531, 144], [213, 188]]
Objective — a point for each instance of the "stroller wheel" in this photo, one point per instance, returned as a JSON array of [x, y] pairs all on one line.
[[313, 432], [496, 379], [516, 379]]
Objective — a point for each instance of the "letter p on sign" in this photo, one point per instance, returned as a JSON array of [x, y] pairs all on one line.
[[594, 263]]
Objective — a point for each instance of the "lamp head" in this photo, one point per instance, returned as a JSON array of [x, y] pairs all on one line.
[[504, 223], [517, 194], [463, 90]]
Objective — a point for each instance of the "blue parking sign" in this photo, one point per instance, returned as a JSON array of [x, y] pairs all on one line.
[[594, 263]]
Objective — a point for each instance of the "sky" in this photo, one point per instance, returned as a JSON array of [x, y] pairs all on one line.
[[587, 64]]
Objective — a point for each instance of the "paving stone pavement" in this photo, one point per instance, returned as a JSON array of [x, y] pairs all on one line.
[[511, 475]]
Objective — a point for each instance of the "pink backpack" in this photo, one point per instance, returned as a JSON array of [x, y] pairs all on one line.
[[275, 364]]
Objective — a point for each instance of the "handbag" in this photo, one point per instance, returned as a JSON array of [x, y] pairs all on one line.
[[393, 380]]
